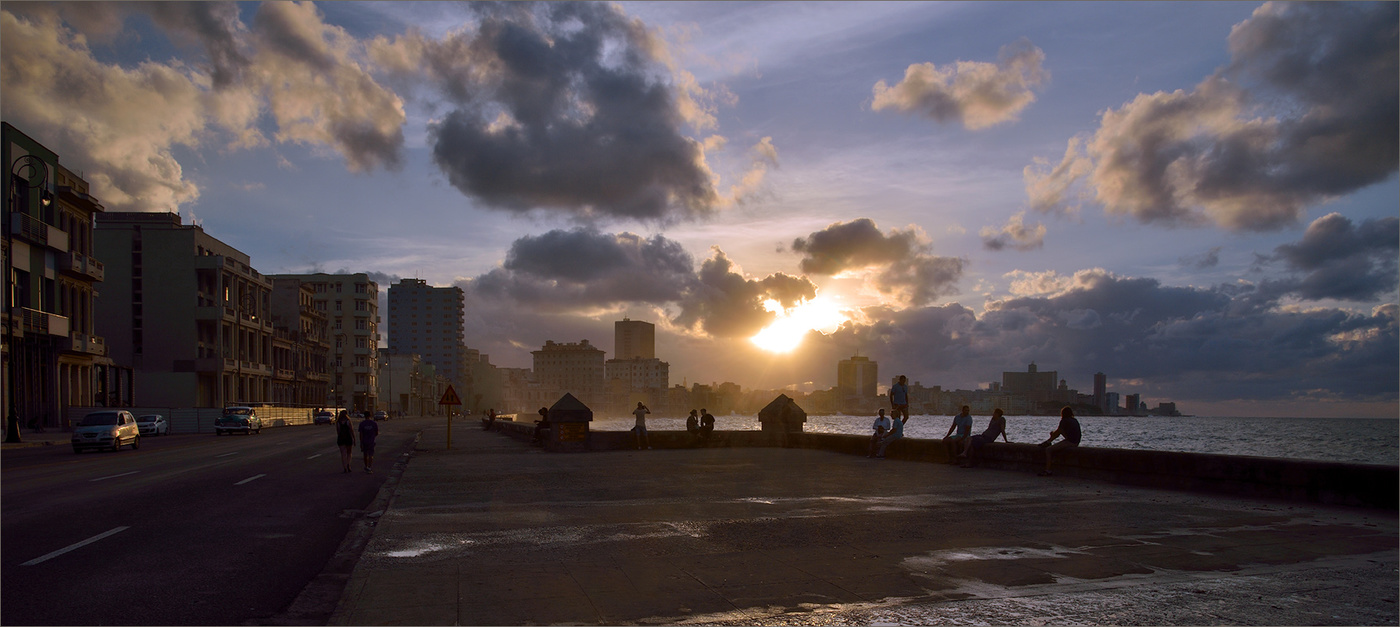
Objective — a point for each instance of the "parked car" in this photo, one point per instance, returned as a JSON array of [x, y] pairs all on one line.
[[106, 429], [381, 415], [243, 419], [323, 417], [153, 424]]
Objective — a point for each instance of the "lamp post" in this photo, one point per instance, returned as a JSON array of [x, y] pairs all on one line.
[[35, 173]]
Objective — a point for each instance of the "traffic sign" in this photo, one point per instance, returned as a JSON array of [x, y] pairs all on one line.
[[450, 397]]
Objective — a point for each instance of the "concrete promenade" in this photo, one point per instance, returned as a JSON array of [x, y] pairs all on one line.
[[496, 532]]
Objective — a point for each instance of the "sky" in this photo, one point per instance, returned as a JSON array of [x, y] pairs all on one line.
[[1197, 199]]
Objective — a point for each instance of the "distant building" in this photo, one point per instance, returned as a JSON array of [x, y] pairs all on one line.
[[1110, 403], [857, 376], [427, 321], [1130, 404], [574, 368], [634, 339], [351, 305], [1100, 391], [301, 346]]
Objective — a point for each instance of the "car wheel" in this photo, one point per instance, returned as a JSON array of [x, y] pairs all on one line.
[[136, 443], [117, 444]]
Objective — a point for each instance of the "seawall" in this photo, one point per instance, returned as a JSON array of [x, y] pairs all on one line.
[[1366, 485]]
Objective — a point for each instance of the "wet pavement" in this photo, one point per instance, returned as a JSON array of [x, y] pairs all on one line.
[[495, 532]]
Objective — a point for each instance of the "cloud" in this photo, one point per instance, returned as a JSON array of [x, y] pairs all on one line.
[[289, 65], [1200, 344], [1015, 234], [1307, 110], [1203, 261], [724, 303], [570, 108], [1342, 260], [975, 93], [900, 264]]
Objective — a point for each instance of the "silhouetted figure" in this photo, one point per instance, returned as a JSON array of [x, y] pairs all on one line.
[[881, 427], [896, 432], [489, 421], [641, 429], [707, 423], [996, 427], [369, 431], [899, 399], [692, 423], [344, 438], [962, 423], [1069, 427], [541, 426]]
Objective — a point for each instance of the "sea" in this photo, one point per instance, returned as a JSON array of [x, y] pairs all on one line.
[[1358, 440]]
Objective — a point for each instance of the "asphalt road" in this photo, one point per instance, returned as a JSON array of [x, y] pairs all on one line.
[[187, 530]]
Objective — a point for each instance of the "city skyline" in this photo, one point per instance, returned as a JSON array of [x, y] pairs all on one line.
[[1199, 200]]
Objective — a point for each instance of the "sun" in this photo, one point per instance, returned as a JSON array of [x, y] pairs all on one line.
[[785, 333]]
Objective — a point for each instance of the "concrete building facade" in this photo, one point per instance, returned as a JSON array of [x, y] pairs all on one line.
[[427, 321], [351, 305], [186, 310], [634, 339], [576, 368], [53, 355]]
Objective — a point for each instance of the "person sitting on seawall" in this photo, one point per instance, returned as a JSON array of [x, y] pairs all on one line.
[[490, 420], [707, 423], [692, 423], [996, 427], [541, 426], [1069, 427], [963, 424], [881, 427], [896, 432]]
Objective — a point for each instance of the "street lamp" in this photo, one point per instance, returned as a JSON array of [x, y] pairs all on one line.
[[34, 172]]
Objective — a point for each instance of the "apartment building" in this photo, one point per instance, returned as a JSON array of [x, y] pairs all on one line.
[[301, 346], [186, 310], [350, 303], [576, 368], [54, 358]]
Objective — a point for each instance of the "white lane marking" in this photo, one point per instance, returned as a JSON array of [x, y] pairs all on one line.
[[227, 454], [315, 456], [115, 476], [251, 479], [45, 558]]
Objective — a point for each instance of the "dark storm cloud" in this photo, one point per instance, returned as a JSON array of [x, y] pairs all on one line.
[[1183, 342], [565, 107], [1341, 260], [902, 262], [583, 268], [1306, 110], [1208, 259], [213, 25]]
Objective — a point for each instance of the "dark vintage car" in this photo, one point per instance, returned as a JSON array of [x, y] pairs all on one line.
[[323, 417], [240, 419]]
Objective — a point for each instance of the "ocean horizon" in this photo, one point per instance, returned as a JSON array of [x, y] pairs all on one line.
[[1353, 440]]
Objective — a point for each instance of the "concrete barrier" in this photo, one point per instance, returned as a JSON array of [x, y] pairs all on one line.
[[1367, 485]]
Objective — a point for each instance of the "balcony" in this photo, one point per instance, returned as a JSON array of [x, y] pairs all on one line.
[[35, 321], [78, 264], [34, 230], [285, 373], [90, 344]]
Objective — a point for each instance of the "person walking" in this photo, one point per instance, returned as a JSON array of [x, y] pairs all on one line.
[[1069, 427], [641, 429], [369, 431], [344, 438], [899, 399]]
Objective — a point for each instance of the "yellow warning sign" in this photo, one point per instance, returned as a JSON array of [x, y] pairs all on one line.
[[450, 397]]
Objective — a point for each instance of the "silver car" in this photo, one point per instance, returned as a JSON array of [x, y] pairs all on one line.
[[106, 429], [153, 424]]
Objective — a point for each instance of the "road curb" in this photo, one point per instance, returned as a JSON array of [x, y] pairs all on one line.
[[319, 603]]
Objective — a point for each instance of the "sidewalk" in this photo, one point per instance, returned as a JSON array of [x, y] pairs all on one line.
[[50, 437], [495, 532]]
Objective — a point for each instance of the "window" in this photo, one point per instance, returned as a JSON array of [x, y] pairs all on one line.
[[361, 342], [360, 325], [337, 305]]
